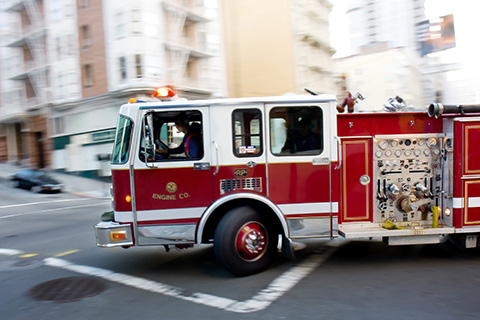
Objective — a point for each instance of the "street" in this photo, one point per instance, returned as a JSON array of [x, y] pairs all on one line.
[[45, 237]]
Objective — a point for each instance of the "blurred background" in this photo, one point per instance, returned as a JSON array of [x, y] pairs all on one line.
[[68, 65]]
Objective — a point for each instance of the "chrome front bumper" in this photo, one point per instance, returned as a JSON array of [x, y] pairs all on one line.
[[112, 234]]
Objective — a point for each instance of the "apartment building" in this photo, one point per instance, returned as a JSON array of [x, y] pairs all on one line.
[[275, 47], [68, 65], [391, 22]]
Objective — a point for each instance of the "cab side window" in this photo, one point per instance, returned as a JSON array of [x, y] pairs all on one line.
[[296, 131], [177, 135], [247, 132]]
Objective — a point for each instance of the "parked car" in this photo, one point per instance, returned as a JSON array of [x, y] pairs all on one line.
[[35, 180]]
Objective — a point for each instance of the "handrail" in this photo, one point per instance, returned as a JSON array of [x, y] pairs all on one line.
[[215, 144], [339, 142]]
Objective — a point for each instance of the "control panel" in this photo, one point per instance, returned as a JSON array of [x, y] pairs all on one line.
[[407, 174]]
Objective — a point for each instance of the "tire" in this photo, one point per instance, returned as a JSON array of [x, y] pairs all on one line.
[[244, 242]]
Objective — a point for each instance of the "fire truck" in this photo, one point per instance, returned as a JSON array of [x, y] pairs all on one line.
[[252, 175]]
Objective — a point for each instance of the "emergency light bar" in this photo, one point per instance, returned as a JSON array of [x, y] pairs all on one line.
[[164, 92]]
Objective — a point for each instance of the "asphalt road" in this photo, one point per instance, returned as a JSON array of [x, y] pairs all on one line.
[[50, 238]]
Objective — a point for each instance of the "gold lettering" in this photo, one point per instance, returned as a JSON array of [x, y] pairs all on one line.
[[183, 196], [157, 196]]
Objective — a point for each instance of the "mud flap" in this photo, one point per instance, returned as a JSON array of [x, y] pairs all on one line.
[[287, 248]]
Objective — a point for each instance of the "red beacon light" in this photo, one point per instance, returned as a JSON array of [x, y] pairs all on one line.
[[164, 93]]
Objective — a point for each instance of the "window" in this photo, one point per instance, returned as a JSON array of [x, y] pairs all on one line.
[[120, 24], [84, 3], [61, 86], [56, 10], [87, 75], [71, 45], [86, 39], [59, 125], [122, 140], [59, 47], [247, 132], [136, 24], [123, 68], [138, 65], [177, 135], [296, 131]]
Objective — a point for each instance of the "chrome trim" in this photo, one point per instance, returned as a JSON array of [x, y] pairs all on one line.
[[181, 232], [313, 227], [102, 234]]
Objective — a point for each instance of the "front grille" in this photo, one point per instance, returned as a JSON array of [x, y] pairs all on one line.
[[228, 185]]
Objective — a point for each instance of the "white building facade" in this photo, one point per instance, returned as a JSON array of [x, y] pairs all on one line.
[[389, 21], [95, 56]]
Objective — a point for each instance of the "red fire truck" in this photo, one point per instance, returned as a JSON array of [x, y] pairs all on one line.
[[251, 175]]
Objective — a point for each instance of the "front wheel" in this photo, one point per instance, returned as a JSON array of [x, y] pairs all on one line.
[[244, 242]]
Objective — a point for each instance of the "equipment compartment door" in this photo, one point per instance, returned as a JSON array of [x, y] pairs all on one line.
[[467, 173], [356, 175]]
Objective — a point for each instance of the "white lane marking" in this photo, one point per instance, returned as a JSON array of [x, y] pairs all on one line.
[[281, 285], [10, 252], [259, 302], [53, 210], [262, 300], [40, 202]]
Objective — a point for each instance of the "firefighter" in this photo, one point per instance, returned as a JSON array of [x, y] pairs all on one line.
[[302, 138], [192, 144]]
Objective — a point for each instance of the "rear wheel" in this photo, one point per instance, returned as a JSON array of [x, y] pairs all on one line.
[[244, 242]]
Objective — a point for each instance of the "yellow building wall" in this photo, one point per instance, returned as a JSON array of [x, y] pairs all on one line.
[[258, 47]]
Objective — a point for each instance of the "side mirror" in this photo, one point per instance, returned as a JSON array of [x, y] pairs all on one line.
[[148, 138]]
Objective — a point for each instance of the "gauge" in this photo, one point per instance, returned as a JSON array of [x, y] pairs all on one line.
[[417, 152], [383, 144], [408, 153], [431, 142], [421, 142], [398, 153], [426, 152], [388, 153], [408, 142], [394, 143], [379, 154], [436, 152]]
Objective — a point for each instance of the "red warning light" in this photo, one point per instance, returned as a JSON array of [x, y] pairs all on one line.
[[164, 92]]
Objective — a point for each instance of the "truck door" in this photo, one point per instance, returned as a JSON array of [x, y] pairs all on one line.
[[173, 185], [299, 166], [238, 149]]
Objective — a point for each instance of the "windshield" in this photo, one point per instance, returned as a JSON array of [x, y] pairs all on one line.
[[122, 140]]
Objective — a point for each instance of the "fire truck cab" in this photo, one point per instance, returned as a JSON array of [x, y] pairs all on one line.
[[251, 175]]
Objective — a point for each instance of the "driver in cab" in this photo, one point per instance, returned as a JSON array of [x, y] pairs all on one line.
[[192, 144]]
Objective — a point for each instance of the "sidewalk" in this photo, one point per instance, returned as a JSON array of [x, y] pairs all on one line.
[[80, 186]]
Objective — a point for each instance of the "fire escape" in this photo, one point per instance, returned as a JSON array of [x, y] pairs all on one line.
[[31, 39], [185, 44]]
